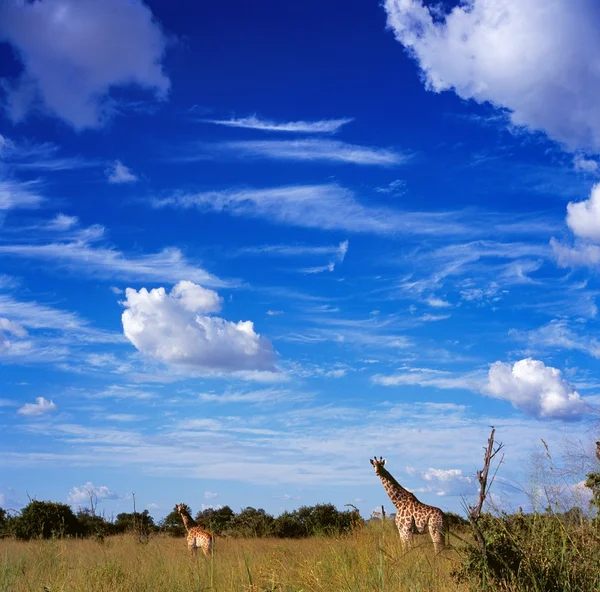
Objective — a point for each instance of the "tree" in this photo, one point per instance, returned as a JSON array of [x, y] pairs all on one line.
[[216, 520], [93, 525], [172, 523], [46, 520], [251, 522], [138, 522]]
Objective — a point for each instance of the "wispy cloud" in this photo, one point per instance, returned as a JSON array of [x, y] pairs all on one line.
[[433, 378], [297, 250], [557, 335], [44, 157], [80, 254], [119, 174], [328, 207], [33, 315], [323, 126], [17, 194], [315, 150]]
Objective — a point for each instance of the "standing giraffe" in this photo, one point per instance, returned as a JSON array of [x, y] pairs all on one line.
[[412, 516], [197, 536]]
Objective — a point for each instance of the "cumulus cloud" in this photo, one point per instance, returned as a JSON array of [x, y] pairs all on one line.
[[175, 328], [74, 51], [583, 217], [81, 495], [118, 173], [40, 407], [535, 388], [536, 59], [210, 495], [448, 482]]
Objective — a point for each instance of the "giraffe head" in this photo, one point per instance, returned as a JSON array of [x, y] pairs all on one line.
[[378, 463], [182, 509]]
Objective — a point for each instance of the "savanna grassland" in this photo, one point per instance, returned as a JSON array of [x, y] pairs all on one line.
[[369, 559]]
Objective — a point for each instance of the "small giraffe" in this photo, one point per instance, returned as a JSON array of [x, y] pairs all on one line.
[[197, 536], [412, 515]]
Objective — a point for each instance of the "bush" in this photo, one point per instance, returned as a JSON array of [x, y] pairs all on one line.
[[46, 520], [539, 552], [321, 519], [92, 525]]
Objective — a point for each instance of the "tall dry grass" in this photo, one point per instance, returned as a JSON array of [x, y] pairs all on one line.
[[371, 559]]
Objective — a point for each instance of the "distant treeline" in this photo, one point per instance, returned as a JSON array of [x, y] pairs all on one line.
[[42, 519]]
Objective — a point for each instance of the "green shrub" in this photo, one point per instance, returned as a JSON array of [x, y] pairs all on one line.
[[539, 551], [46, 520]]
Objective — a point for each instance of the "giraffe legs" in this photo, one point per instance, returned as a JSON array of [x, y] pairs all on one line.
[[437, 536], [406, 537]]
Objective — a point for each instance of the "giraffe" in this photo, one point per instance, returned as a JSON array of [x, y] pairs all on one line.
[[412, 515], [197, 536]]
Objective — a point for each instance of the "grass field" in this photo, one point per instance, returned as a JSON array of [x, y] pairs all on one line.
[[368, 560]]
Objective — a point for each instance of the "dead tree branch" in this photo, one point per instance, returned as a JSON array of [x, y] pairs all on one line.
[[491, 451]]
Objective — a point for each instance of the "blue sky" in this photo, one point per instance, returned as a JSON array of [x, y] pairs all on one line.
[[245, 248]]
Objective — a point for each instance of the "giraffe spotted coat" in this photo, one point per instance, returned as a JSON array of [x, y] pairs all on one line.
[[197, 537], [412, 516]]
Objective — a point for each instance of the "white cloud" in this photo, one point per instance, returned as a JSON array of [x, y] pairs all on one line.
[[80, 256], [583, 217], [62, 222], [437, 302], [33, 315], [210, 495], [536, 59], [12, 339], [15, 195], [39, 408], [428, 318], [274, 313], [446, 481], [316, 150], [324, 126], [68, 65], [535, 388], [118, 173], [327, 207], [585, 254], [260, 397], [585, 165], [175, 328], [395, 188], [425, 377], [79, 496], [558, 335]]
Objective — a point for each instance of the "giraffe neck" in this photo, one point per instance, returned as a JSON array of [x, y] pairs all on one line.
[[395, 491], [187, 521]]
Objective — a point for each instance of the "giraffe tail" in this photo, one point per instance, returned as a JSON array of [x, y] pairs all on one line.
[[208, 548], [446, 527]]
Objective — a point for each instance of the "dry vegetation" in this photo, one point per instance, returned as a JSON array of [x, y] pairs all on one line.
[[370, 559]]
